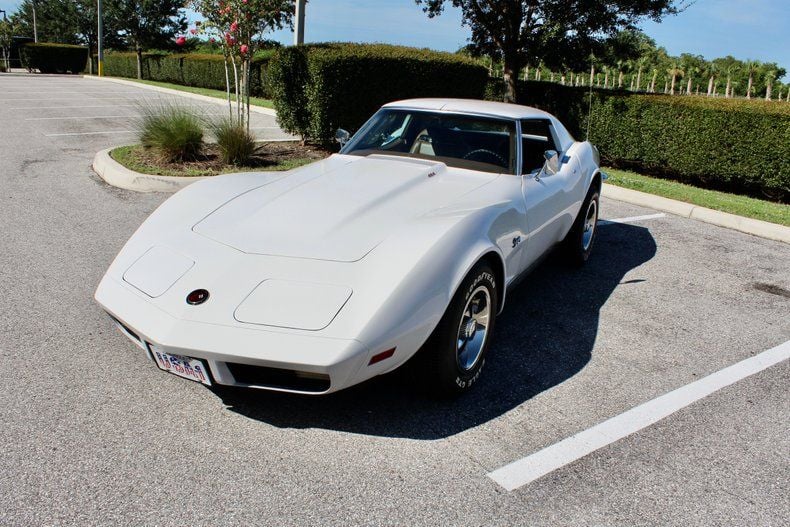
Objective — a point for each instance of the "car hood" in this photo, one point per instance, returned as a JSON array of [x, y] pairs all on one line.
[[339, 209]]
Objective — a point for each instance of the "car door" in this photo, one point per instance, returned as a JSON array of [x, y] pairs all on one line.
[[546, 196]]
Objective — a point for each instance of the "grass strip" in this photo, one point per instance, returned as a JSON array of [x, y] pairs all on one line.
[[218, 94], [712, 199], [131, 158]]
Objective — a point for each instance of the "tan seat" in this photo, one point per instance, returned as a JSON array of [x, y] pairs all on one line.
[[423, 145]]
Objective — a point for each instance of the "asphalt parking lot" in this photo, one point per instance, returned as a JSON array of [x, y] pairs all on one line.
[[94, 434]]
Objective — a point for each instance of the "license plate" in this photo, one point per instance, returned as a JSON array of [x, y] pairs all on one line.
[[186, 367]]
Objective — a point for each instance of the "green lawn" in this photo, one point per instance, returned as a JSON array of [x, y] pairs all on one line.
[[712, 199], [131, 158], [219, 94]]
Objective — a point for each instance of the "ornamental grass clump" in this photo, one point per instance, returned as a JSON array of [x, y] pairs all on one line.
[[236, 144], [174, 131]]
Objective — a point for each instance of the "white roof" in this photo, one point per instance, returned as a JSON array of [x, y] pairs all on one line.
[[500, 109]]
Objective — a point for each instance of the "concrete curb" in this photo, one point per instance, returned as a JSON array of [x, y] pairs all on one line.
[[118, 175], [170, 91], [760, 228]]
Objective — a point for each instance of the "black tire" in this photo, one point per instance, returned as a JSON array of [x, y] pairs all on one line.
[[576, 246], [438, 366]]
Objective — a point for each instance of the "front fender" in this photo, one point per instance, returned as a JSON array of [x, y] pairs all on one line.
[[421, 289]]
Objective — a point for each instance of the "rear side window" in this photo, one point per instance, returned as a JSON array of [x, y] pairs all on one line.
[[536, 138]]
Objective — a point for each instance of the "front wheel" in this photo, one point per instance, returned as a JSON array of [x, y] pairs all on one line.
[[578, 244], [454, 356]]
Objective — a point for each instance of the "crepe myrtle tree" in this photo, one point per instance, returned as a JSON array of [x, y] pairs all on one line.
[[555, 30], [238, 26], [7, 30]]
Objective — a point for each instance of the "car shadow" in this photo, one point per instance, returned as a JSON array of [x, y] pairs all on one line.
[[545, 336]]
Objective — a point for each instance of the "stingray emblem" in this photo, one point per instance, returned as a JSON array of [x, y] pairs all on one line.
[[197, 297], [516, 241]]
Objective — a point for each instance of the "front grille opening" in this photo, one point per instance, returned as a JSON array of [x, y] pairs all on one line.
[[126, 329], [301, 381]]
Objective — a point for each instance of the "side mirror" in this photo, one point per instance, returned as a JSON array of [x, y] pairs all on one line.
[[342, 136], [552, 164]]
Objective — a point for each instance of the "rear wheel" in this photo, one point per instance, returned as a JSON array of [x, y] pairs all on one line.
[[454, 356], [578, 244]]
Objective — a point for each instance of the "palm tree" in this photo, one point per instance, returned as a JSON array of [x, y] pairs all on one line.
[[769, 80], [674, 71], [751, 67], [728, 90], [711, 78], [653, 82]]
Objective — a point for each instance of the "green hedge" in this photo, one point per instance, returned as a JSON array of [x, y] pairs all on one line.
[[198, 70], [53, 58], [319, 88], [725, 144]]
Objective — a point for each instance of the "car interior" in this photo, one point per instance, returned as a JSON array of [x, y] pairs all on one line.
[[536, 138], [460, 141]]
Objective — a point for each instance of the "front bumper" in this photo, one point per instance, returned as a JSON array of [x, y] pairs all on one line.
[[279, 360]]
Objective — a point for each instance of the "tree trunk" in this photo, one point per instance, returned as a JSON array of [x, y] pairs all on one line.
[[139, 51], [639, 79], [562, 79], [768, 90], [510, 74], [688, 87], [620, 80], [710, 86], [653, 82], [672, 89], [728, 89], [749, 88]]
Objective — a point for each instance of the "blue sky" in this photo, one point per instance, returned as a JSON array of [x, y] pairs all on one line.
[[746, 29]]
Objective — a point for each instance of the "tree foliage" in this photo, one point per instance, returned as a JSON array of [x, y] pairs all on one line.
[[558, 32], [147, 23]]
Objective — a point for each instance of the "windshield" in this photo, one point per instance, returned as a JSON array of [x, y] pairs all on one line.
[[463, 141]]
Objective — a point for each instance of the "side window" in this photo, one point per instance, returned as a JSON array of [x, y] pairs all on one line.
[[536, 138]]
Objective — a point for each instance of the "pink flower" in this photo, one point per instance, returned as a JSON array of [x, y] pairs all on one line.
[[193, 31], [234, 27], [229, 39], [180, 41], [244, 49], [212, 40]]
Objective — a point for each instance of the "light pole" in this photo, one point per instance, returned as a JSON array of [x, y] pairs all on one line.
[[7, 64], [35, 29], [299, 29], [100, 39]]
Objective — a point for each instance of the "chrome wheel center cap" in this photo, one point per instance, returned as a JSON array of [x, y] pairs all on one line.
[[470, 329]]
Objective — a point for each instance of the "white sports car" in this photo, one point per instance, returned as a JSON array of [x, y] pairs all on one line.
[[401, 246]]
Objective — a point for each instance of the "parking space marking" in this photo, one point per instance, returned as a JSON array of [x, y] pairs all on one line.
[[632, 219], [61, 107], [551, 458], [92, 133], [76, 118]]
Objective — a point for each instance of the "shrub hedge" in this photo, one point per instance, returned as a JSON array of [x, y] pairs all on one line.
[[53, 58], [319, 88], [198, 70], [726, 144]]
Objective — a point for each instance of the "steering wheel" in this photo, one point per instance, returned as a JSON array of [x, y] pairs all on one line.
[[484, 152]]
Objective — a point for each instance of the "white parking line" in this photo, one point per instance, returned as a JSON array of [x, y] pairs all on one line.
[[551, 458], [76, 118], [83, 98], [61, 107], [92, 133], [632, 219]]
